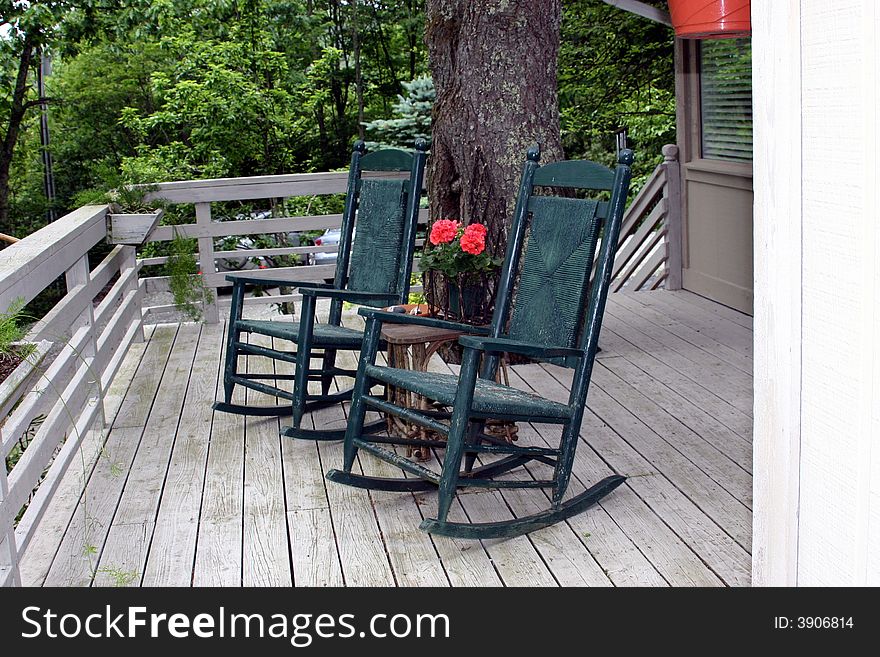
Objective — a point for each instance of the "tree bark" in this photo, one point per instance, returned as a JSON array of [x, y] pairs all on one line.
[[16, 116], [494, 66]]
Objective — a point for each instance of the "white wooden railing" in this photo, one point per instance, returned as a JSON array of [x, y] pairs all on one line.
[[649, 248], [90, 330], [203, 193]]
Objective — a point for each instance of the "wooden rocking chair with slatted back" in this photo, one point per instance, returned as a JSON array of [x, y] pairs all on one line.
[[547, 310], [373, 268]]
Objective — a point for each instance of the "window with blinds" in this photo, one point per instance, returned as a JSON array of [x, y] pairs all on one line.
[[726, 99]]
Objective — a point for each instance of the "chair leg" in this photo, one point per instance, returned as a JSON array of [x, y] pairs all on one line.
[[329, 362], [303, 360], [458, 430], [358, 410], [232, 336], [562, 473]]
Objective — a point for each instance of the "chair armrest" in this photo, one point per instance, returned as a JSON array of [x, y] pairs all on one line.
[[503, 345], [353, 296], [273, 282], [419, 320]]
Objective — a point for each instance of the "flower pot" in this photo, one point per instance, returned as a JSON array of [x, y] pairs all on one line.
[[19, 381], [461, 299], [131, 228], [465, 299], [711, 19]]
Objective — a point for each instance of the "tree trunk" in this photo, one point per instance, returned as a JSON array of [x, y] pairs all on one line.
[[16, 116], [494, 67]]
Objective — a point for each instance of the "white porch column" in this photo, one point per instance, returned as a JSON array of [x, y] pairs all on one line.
[[817, 292]]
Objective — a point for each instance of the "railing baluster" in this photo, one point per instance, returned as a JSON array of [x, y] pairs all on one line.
[[206, 259], [129, 262], [672, 194], [80, 274], [9, 552]]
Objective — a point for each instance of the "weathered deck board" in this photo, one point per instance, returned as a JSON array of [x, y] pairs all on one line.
[[736, 355], [616, 554], [720, 468], [309, 519], [692, 416], [77, 556], [717, 309], [265, 559], [700, 531], [701, 366], [653, 366], [245, 506], [653, 524], [217, 560], [727, 321], [177, 521], [125, 550]]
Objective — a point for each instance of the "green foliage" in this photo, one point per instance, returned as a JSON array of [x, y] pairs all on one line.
[[184, 89], [179, 89], [11, 329], [615, 71], [120, 577], [185, 279], [412, 117], [416, 297]]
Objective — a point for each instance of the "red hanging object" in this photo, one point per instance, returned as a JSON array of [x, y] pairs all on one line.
[[711, 19]]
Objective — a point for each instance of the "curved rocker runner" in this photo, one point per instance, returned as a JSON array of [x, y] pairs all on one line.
[[555, 315]]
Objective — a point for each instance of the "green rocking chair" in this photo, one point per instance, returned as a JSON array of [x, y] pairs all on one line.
[[373, 268], [552, 312]]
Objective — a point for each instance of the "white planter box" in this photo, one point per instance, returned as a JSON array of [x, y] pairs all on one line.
[[21, 378], [131, 229]]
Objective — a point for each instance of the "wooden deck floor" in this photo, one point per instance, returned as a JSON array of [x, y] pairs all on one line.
[[181, 496]]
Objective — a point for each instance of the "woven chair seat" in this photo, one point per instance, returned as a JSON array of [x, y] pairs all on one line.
[[490, 399], [323, 334]]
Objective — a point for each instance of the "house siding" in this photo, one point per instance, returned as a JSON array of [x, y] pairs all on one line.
[[817, 296]]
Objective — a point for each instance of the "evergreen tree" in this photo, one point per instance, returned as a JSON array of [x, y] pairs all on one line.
[[412, 117]]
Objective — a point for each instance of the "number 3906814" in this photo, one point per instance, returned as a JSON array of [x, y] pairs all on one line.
[[824, 622]]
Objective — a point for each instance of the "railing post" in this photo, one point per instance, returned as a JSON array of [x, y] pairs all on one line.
[[206, 258], [674, 211], [80, 274], [8, 553], [129, 262]]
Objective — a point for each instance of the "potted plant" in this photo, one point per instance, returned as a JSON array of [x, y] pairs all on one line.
[[711, 19], [459, 274], [132, 218]]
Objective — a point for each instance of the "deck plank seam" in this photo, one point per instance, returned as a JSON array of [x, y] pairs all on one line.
[[678, 372], [210, 432]]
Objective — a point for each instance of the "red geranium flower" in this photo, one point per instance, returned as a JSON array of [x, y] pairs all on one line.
[[473, 240], [444, 231]]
